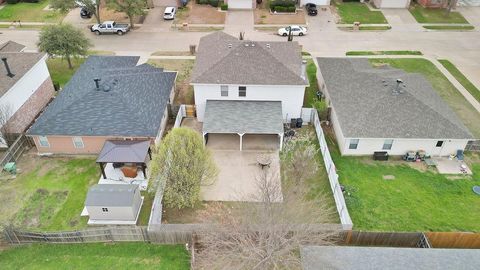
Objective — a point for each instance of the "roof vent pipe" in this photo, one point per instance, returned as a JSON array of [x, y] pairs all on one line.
[[230, 45], [398, 89], [97, 83], [268, 45], [7, 67], [304, 69]]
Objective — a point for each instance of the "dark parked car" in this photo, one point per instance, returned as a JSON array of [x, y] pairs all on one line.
[[84, 13], [311, 9]]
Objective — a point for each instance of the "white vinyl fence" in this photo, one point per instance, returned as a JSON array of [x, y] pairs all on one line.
[[332, 175], [180, 115]]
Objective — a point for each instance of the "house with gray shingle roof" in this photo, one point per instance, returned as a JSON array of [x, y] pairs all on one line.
[[386, 109], [25, 88], [239, 81], [109, 97]]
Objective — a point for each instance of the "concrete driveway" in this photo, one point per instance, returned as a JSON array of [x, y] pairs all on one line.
[[401, 20], [237, 179], [239, 21]]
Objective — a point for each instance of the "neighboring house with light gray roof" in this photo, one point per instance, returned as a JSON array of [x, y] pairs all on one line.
[[109, 97], [228, 69], [25, 88], [386, 109]]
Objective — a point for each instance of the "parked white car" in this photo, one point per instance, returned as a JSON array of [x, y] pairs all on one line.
[[296, 30], [169, 13]]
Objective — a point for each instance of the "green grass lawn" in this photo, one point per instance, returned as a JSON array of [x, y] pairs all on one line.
[[414, 201], [96, 256], [464, 110], [384, 53], [311, 91], [351, 12], [435, 15], [29, 12], [59, 70], [461, 78], [48, 193], [144, 215], [449, 27]]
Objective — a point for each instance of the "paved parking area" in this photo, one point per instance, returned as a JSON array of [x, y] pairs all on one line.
[[237, 179]]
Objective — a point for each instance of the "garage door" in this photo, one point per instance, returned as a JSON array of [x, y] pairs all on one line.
[[395, 3], [240, 4], [316, 2]]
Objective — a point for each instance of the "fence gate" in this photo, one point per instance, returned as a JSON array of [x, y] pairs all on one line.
[[190, 110], [15, 151]]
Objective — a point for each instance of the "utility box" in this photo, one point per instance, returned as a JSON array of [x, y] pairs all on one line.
[[382, 155]]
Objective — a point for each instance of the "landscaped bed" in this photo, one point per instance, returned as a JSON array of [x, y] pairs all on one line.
[[29, 12], [416, 199], [450, 27], [351, 12], [435, 15], [263, 15], [184, 91], [457, 102], [96, 256], [48, 193]]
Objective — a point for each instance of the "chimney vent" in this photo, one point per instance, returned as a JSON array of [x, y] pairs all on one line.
[[230, 45], [97, 84], [304, 69], [7, 67], [398, 88], [268, 45]]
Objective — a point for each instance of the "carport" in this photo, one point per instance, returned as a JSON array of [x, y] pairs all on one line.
[[255, 119]]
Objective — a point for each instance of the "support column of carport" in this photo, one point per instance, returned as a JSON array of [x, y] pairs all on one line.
[[241, 140]]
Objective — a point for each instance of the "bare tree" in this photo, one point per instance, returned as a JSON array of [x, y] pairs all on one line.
[[267, 234], [6, 112]]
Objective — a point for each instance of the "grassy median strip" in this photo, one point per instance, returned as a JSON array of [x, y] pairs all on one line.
[[461, 78], [449, 27], [96, 256], [435, 15], [351, 12], [384, 53]]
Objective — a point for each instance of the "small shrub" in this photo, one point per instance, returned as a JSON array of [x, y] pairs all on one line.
[[203, 2], [12, 1], [282, 3], [291, 9], [280, 9], [213, 3], [224, 7]]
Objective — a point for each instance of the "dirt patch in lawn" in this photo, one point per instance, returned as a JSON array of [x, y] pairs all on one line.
[[263, 16], [204, 212], [112, 15], [183, 89], [200, 14]]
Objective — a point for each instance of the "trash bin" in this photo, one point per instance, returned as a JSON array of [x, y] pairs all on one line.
[[293, 123], [299, 122]]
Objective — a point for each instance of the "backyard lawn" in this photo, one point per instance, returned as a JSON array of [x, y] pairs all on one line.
[[96, 256], [184, 91], [461, 78], [435, 15], [416, 200], [29, 12], [464, 110], [48, 193], [351, 12]]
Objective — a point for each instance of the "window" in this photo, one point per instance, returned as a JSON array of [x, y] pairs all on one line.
[[78, 142], [387, 145], [43, 141], [439, 143], [104, 209], [224, 90], [353, 144], [242, 91]]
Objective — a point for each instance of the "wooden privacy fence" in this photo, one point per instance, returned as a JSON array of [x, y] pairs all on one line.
[[453, 239], [385, 239], [16, 150], [100, 234], [332, 176], [180, 115]]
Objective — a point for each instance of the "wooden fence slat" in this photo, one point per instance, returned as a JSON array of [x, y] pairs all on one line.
[[453, 239]]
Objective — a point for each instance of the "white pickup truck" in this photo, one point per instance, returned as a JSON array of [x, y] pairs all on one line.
[[110, 27]]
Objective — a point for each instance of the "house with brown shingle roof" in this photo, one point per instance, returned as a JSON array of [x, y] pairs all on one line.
[[25, 88]]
